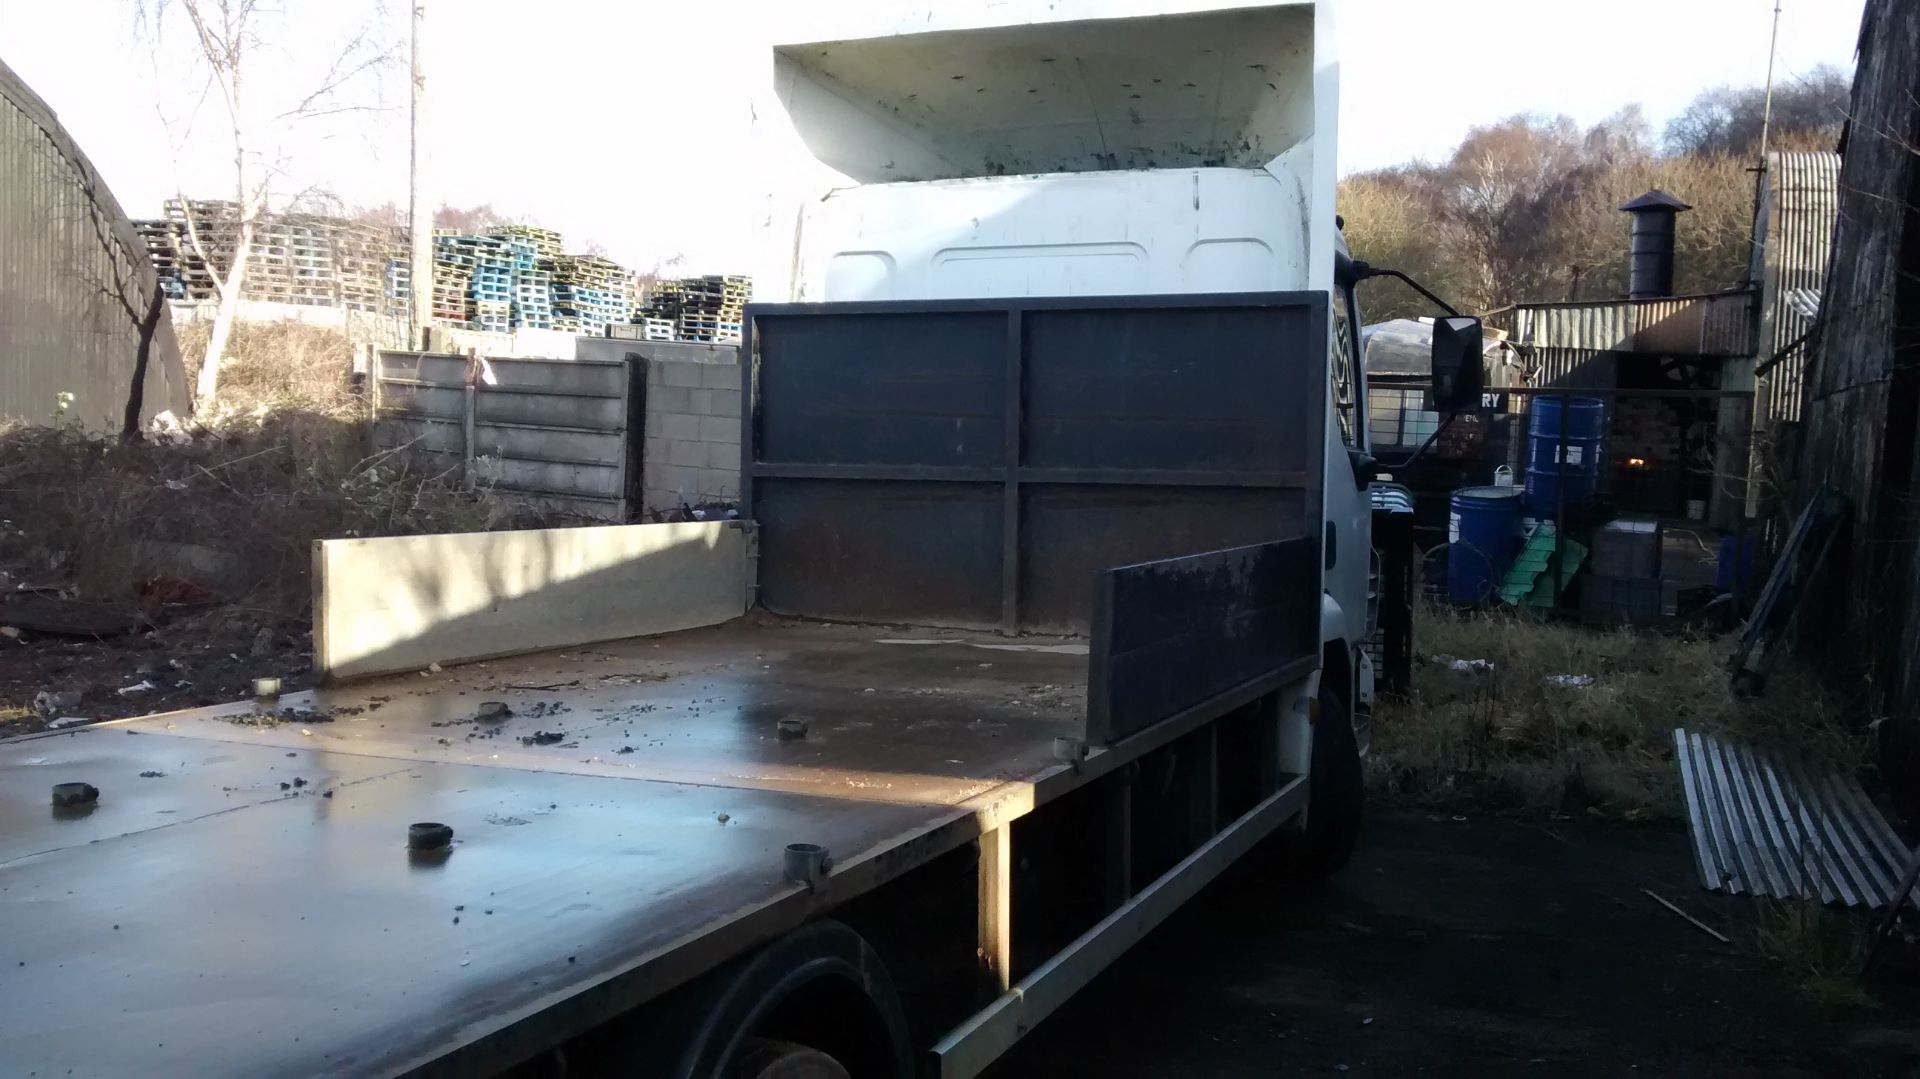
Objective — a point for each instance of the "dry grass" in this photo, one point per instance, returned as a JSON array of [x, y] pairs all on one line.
[[281, 462], [1822, 949], [106, 519], [277, 367], [1511, 741]]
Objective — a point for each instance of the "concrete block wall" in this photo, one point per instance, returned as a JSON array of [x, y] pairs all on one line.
[[690, 454], [692, 447]]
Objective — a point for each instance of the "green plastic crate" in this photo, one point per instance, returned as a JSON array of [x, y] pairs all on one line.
[[1527, 582]]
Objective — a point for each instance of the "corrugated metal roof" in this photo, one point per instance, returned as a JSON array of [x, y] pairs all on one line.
[[1793, 238], [1765, 826], [1573, 368], [1594, 327], [1712, 324]]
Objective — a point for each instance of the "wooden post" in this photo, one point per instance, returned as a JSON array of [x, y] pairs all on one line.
[[996, 911], [468, 421], [1118, 860], [419, 207], [1203, 792]]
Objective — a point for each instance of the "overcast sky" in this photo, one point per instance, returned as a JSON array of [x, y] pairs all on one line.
[[625, 123]]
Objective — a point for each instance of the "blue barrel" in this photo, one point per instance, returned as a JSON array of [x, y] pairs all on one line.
[[1586, 423], [1483, 535], [1735, 565]]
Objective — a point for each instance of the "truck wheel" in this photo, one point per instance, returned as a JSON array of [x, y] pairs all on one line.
[[816, 1003], [1336, 791], [765, 1058]]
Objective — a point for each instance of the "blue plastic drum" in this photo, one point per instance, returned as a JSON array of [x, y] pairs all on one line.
[[1483, 536], [1586, 424]]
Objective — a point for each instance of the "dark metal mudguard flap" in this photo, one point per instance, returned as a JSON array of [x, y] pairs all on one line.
[[1205, 632]]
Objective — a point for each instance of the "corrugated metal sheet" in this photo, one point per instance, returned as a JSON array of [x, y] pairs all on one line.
[[1707, 325], [1592, 327], [1793, 234], [1574, 368], [1764, 826], [74, 282]]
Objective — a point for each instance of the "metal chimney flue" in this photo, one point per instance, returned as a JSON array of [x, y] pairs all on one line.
[[1653, 216]]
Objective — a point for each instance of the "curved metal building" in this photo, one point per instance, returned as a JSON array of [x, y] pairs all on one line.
[[85, 335]]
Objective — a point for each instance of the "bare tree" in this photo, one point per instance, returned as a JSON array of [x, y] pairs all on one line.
[[470, 218], [227, 40], [1807, 110], [1527, 210]]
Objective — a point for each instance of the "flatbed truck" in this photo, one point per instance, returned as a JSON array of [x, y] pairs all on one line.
[[1053, 584]]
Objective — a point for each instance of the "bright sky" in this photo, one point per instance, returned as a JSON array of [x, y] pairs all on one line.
[[627, 122]]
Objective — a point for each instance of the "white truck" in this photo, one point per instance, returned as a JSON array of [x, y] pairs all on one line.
[[1046, 603]]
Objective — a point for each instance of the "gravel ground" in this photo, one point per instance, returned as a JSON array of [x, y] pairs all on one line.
[[1465, 948]]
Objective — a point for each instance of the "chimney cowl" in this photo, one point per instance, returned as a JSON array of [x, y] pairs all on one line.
[[1651, 275]]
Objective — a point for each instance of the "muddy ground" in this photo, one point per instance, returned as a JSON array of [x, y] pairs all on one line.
[[1465, 948], [178, 660]]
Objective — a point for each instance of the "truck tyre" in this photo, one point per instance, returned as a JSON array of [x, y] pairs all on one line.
[[814, 1004], [1336, 791], [766, 1058]]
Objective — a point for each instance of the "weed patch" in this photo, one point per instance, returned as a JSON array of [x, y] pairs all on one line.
[[1822, 949], [1566, 720]]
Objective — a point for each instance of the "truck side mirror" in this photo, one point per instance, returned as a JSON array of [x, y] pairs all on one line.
[[1458, 371]]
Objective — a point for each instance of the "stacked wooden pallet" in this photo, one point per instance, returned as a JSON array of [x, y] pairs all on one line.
[[450, 304], [711, 307], [216, 225], [589, 292], [513, 277], [286, 263], [533, 300], [183, 274], [397, 296], [489, 264], [360, 260], [544, 242], [659, 303], [633, 289], [452, 280]]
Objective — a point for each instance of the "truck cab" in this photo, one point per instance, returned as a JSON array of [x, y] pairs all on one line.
[[1186, 153]]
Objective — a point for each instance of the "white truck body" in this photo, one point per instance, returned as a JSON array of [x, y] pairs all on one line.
[[926, 155], [1089, 149]]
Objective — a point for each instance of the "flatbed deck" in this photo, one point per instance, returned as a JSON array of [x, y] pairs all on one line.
[[251, 909]]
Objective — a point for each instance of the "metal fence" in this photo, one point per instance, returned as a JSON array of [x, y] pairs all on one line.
[[558, 433], [1666, 463]]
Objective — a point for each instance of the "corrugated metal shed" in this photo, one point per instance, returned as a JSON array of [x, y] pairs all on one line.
[[1709, 325], [75, 285], [1793, 241]]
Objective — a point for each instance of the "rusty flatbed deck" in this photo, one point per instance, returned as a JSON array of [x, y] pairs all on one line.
[[252, 910]]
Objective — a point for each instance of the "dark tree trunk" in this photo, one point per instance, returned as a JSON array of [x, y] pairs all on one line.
[[137, 393]]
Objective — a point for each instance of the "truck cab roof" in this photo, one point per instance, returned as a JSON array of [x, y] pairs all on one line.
[[1231, 87]]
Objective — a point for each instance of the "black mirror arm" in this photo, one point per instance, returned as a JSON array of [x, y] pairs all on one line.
[[1362, 271]]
